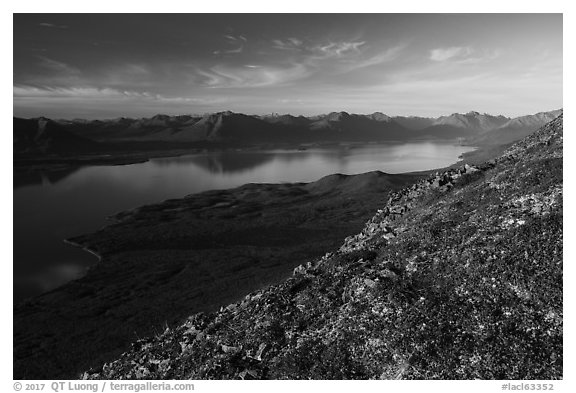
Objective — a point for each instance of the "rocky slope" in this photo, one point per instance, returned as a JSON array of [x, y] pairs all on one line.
[[456, 277]]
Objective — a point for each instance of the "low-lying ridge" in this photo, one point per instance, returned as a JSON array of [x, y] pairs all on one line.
[[456, 277]]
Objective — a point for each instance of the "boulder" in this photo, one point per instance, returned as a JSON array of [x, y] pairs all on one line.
[[470, 169]]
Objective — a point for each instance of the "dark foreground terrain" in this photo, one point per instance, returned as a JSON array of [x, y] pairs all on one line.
[[456, 277], [163, 262]]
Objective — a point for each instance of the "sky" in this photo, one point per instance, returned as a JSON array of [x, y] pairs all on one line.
[[98, 66]]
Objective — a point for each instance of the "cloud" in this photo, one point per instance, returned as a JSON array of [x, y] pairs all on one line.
[[57, 66], [298, 101], [224, 76], [324, 50], [229, 51], [233, 40], [123, 76], [50, 72], [89, 93], [344, 55], [463, 55], [24, 91], [337, 49], [298, 60], [386, 56], [291, 44], [295, 41], [484, 56], [455, 52], [51, 25]]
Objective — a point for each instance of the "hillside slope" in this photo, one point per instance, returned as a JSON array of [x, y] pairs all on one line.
[[456, 277], [515, 129]]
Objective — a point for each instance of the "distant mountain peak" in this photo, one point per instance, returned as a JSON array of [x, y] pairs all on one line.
[[336, 116], [471, 120], [379, 116], [226, 113]]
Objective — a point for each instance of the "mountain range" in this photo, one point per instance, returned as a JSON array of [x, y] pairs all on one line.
[[41, 135]]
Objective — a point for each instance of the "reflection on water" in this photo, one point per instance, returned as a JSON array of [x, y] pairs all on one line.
[[51, 207], [220, 162], [31, 178]]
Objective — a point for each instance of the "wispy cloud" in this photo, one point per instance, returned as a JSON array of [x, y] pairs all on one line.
[[24, 91], [298, 59], [295, 41], [463, 55], [383, 57], [229, 51], [52, 25], [140, 75], [239, 41], [235, 38], [455, 52], [337, 49], [51, 72], [57, 66], [90, 93], [346, 55], [290, 44], [328, 49], [222, 76], [486, 55]]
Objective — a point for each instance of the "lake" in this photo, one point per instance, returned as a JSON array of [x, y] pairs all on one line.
[[71, 203]]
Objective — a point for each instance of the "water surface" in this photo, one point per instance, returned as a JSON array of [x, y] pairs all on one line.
[[69, 203]]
